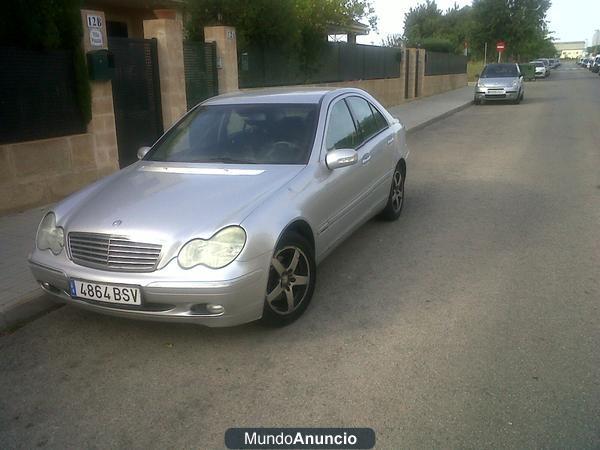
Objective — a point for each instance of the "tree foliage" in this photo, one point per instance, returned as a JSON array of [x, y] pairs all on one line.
[[520, 23], [429, 27], [297, 25], [49, 25]]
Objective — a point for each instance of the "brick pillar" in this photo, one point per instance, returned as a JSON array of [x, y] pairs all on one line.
[[420, 72], [227, 64], [102, 126], [401, 83], [412, 67], [169, 36]]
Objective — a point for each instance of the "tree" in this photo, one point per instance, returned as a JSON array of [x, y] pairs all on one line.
[[428, 27], [519, 23], [392, 40], [49, 25], [296, 25]]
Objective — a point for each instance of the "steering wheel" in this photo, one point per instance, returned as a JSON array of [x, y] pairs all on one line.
[[280, 148]]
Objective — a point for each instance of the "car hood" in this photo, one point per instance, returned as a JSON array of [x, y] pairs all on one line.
[[172, 202], [497, 82]]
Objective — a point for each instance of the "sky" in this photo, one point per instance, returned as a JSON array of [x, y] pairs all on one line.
[[570, 20]]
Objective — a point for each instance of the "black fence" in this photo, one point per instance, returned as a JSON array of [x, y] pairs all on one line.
[[444, 63], [337, 61], [37, 95], [136, 95], [200, 66]]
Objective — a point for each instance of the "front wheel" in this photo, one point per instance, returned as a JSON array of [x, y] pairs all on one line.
[[292, 280], [393, 208]]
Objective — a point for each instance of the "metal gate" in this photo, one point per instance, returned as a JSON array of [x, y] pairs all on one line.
[[200, 66], [136, 95]]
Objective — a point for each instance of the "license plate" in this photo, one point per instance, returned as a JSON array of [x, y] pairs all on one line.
[[123, 295]]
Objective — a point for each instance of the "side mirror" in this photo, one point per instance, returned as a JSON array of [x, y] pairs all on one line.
[[341, 158], [142, 152]]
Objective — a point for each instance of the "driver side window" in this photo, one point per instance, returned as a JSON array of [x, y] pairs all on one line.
[[341, 130]]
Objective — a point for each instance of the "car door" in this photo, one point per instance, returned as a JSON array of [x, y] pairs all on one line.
[[340, 191], [378, 150]]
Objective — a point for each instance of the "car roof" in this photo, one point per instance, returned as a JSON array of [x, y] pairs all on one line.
[[278, 95], [501, 64]]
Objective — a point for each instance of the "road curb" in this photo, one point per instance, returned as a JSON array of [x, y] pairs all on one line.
[[29, 307], [440, 117]]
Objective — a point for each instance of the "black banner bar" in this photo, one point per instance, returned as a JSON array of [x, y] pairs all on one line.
[[300, 438]]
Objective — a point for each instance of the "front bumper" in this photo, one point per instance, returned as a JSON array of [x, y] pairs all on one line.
[[496, 94], [165, 296]]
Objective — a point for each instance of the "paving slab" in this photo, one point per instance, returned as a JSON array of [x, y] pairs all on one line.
[[419, 113]]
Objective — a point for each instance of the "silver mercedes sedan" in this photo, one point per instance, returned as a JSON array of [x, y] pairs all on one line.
[[224, 219]]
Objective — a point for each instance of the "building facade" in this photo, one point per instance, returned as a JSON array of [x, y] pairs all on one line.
[[570, 50]]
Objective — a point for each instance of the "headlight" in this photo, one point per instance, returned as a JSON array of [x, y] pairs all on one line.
[[49, 236], [216, 252]]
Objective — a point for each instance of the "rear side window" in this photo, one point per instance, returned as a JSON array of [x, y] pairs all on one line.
[[368, 122], [341, 132], [379, 119]]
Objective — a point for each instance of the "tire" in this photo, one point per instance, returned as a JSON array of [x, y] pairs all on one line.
[[395, 202], [291, 283], [518, 100], [477, 101]]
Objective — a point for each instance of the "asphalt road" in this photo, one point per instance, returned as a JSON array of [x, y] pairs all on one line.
[[472, 322]]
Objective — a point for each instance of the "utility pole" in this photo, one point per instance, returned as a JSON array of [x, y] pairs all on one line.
[[485, 54]]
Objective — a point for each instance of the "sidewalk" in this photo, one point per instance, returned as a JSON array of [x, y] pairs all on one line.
[[420, 113], [19, 293], [20, 297]]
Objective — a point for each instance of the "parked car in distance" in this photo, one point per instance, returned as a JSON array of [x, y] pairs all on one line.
[[595, 66], [224, 220], [500, 82], [540, 69], [546, 62]]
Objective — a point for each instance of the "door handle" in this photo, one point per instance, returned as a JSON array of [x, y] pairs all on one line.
[[366, 158], [390, 140]]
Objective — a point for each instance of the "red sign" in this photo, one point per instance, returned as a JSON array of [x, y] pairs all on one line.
[[500, 46]]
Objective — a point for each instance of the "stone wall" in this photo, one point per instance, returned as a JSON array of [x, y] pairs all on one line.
[[169, 36], [436, 84], [38, 172]]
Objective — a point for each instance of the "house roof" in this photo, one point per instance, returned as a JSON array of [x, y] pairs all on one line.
[[137, 4], [354, 27]]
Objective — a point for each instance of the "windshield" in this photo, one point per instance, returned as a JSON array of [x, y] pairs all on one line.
[[241, 134], [500, 71], [537, 64]]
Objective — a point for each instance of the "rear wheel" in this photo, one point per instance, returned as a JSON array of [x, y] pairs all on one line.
[[292, 279]]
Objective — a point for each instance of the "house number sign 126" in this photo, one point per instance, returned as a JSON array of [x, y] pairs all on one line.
[[94, 21]]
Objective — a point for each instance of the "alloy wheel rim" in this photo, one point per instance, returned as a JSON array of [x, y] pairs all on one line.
[[397, 191], [289, 278]]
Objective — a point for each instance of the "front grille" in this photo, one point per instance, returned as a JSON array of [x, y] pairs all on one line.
[[110, 252]]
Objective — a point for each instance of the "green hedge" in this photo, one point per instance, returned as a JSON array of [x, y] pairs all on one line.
[[49, 25]]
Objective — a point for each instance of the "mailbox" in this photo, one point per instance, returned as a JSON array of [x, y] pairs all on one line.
[[101, 65]]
